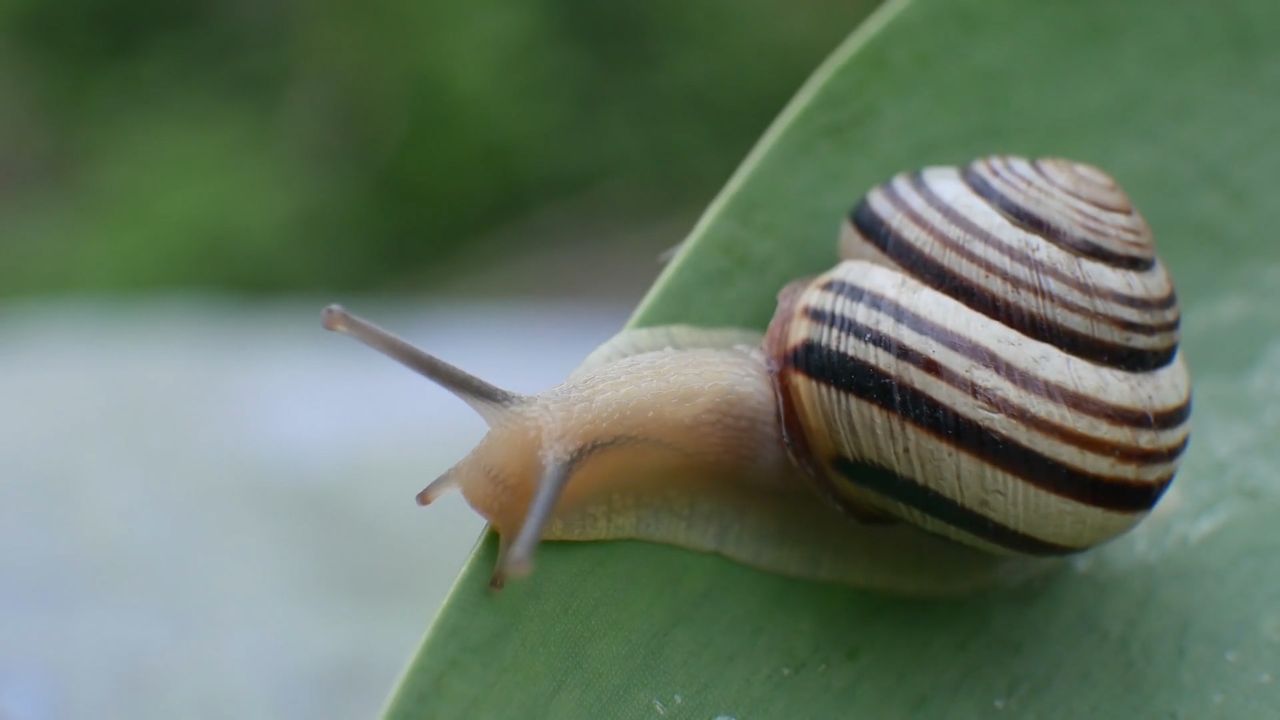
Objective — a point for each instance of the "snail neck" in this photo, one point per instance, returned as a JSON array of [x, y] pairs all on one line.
[[707, 410], [641, 432]]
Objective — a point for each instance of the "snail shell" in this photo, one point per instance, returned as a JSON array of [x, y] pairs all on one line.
[[994, 361], [999, 366]]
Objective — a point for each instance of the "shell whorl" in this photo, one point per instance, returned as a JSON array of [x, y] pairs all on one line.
[[1051, 248], [996, 359]]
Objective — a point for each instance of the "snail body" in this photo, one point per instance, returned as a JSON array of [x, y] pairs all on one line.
[[994, 361]]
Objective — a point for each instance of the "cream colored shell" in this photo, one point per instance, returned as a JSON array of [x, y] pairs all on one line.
[[998, 366]]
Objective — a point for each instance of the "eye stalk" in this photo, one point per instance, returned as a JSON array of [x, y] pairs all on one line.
[[486, 399], [498, 407]]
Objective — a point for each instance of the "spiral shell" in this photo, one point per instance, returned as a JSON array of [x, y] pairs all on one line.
[[995, 361]]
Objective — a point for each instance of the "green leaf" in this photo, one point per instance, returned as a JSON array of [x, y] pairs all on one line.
[[1181, 618]]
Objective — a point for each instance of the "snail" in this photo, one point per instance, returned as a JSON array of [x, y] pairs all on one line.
[[990, 374]]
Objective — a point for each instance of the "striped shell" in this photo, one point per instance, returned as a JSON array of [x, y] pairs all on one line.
[[996, 359]]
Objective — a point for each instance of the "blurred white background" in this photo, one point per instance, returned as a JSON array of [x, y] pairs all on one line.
[[206, 507]]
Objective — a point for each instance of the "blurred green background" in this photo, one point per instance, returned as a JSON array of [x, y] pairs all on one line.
[[205, 500], [300, 146]]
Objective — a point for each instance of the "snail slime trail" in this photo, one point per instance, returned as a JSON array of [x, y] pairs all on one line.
[[990, 373]]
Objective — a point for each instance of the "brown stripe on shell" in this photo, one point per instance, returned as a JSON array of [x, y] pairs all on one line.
[[973, 349], [1031, 221], [864, 381], [876, 230], [789, 421], [1043, 167], [1017, 179], [931, 503], [952, 246], [1164, 302], [1018, 175], [1003, 405], [876, 479]]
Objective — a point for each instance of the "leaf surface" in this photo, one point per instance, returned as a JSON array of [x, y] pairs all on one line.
[[1181, 618]]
